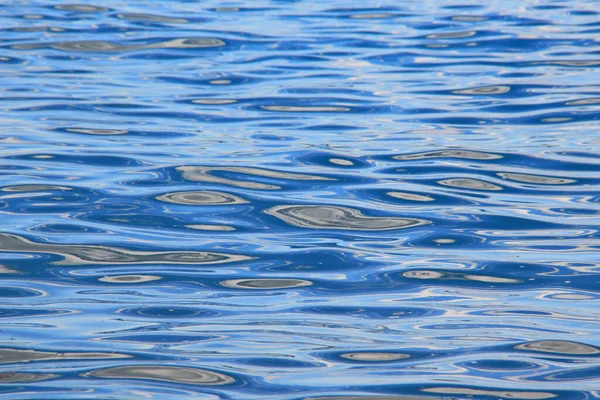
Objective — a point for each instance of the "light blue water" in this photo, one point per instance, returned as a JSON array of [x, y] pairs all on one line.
[[300, 200]]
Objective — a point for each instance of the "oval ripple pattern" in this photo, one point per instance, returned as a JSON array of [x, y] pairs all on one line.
[[300, 200]]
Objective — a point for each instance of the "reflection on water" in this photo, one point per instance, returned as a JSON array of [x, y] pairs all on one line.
[[466, 183], [201, 198], [80, 255], [385, 200], [192, 376], [103, 46], [130, 279], [496, 393], [558, 346], [16, 356], [543, 180], [319, 217], [375, 356], [19, 377], [268, 283], [487, 90]]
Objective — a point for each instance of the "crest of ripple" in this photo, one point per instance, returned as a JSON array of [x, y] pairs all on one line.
[[375, 356], [209, 227], [424, 274], [104, 46], [371, 398], [452, 35], [130, 279], [81, 8], [468, 183], [559, 347], [371, 16], [202, 198], [485, 90], [151, 17], [198, 173], [410, 196], [542, 180], [494, 393], [22, 377], [306, 108], [334, 217], [81, 254], [341, 161], [214, 101], [583, 102], [192, 376], [18, 356], [269, 283], [90, 131], [33, 188], [466, 154]]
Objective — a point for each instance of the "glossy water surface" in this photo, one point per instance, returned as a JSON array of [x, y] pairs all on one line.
[[270, 199]]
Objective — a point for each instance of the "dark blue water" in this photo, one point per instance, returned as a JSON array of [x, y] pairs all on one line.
[[300, 200]]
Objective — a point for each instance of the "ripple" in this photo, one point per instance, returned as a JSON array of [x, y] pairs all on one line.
[[583, 102], [214, 101], [341, 161], [423, 274], [469, 18], [29, 313], [465, 154], [410, 196], [468, 183], [165, 312], [444, 241], [18, 356], [209, 227], [452, 35], [484, 90], [33, 188], [371, 16], [333, 217], [105, 46], [375, 357], [569, 296], [190, 43], [191, 376], [151, 18], [265, 284], [24, 377], [559, 347], [509, 394], [227, 9], [204, 174], [576, 63], [130, 279], [366, 397], [19, 292], [300, 192], [90, 131], [81, 255], [305, 108], [202, 198], [537, 179], [86, 8]]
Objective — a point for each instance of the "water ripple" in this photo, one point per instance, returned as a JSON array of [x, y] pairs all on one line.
[[300, 200]]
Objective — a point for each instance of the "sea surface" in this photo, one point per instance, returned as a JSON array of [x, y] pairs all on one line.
[[270, 199]]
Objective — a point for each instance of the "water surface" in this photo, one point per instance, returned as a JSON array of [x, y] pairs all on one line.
[[279, 199]]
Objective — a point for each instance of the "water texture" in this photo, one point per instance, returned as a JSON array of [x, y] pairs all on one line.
[[273, 199]]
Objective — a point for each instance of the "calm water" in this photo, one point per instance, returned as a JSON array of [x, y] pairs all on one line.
[[300, 200]]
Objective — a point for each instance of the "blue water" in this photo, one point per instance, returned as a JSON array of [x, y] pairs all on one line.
[[294, 200]]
